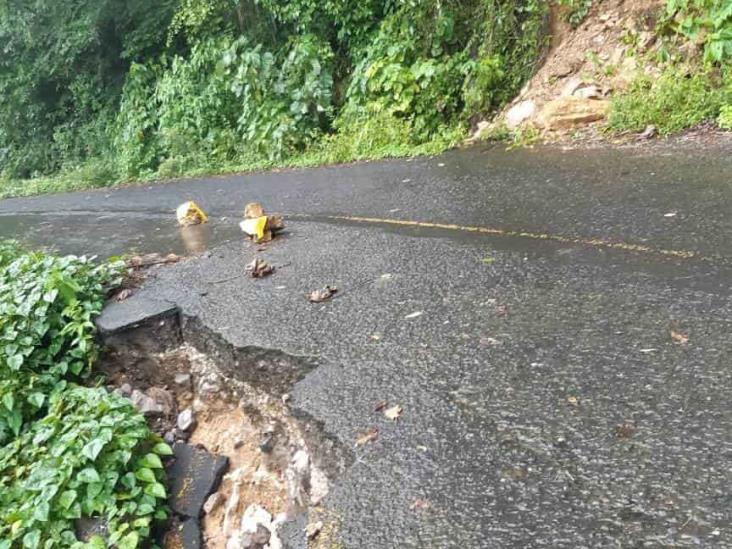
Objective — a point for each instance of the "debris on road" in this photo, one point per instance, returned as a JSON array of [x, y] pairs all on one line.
[[123, 294], [420, 505], [324, 294], [313, 529], [189, 213], [573, 400], [679, 337], [414, 315], [393, 413], [186, 420], [259, 268], [368, 436], [381, 406], [625, 430], [259, 226]]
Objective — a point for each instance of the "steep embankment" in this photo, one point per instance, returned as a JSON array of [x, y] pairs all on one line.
[[585, 67]]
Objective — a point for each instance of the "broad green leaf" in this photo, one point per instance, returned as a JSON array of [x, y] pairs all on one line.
[[152, 461], [156, 489], [88, 475], [145, 474], [162, 449]]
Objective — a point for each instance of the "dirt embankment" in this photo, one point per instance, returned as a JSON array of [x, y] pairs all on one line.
[[584, 67]]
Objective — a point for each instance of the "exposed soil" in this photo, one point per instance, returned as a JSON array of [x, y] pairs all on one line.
[[270, 463]]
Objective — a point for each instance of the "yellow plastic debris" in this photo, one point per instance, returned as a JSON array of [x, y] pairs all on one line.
[[255, 227], [189, 213]]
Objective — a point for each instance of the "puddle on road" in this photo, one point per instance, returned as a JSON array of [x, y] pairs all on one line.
[[112, 234]]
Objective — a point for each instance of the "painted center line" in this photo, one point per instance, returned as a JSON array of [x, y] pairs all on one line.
[[594, 242]]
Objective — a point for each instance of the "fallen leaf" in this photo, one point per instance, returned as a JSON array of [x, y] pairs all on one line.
[[625, 430], [420, 505], [259, 268], [394, 412], [381, 405], [123, 294], [368, 436], [414, 314], [172, 258], [679, 337], [318, 296], [313, 529]]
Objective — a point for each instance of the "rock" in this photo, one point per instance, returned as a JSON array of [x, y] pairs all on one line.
[[256, 529], [519, 113], [125, 389], [267, 443], [212, 503], [164, 399], [169, 438], [194, 476], [570, 112], [313, 529], [186, 420], [145, 405], [183, 380], [649, 133], [588, 92], [572, 85]]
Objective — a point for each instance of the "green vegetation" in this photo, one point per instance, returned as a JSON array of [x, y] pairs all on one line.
[[110, 90], [68, 450], [672, 102], [575, 10], [690, 89]]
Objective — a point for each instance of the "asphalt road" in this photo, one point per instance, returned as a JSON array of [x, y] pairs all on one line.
[[537, 349]]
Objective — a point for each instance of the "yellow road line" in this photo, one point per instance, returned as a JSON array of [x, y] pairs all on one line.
[[594, 242]]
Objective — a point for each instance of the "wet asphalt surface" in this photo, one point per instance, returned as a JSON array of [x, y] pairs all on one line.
[[546, 403]]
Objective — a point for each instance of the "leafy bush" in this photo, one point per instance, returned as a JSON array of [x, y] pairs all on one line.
[[213, 83], [708, 22], [576, 10], [672, 102], [68, 451], [725, 117], [91, 455]]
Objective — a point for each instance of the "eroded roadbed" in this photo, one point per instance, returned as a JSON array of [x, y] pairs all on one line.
[[551, 394]]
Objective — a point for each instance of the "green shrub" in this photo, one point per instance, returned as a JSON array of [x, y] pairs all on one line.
[[672, 102], [725, 117], [67, 451], [576, 10], [705, 22]]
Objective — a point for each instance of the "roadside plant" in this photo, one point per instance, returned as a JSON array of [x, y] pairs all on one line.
[[67, 451]]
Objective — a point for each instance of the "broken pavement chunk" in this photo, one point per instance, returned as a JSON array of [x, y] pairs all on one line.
[[194, 476], [318, 296], [189, 213]]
